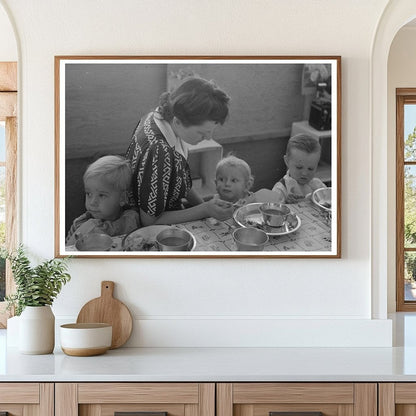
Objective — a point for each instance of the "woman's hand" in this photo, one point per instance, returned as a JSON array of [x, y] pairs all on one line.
[[219, 209]]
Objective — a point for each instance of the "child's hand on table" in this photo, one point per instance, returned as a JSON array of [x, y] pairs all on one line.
[[294, 198]]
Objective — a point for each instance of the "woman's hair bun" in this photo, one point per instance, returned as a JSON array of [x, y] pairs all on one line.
[[165, 106]]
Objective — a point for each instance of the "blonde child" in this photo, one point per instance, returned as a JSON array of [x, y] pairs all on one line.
[[233, 180], [302, 157], [106, 182]]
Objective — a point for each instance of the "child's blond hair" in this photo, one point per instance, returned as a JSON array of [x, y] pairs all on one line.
[[116, 170], [235, 162], [303, 142]]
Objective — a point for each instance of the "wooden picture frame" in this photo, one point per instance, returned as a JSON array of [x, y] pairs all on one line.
[[99, 101]]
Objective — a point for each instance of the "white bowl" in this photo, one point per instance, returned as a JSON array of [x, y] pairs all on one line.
[[85, 339]]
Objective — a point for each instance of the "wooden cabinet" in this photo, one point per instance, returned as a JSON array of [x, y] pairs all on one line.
[[27, 399], [105, 399], [397, 399], [208, 399], [332, 399]]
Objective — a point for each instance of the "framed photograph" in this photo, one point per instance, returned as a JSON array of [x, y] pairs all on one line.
[[198, 156]]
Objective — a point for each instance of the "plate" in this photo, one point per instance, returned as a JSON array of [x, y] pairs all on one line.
[[144, 239], [250, 216]]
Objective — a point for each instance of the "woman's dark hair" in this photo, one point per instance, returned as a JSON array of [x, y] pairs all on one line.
[[195, 101]]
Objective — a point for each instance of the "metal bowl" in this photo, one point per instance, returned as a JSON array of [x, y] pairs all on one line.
[[274, 214], [250, 239], [94, 242], [322, 197], [174, 239]]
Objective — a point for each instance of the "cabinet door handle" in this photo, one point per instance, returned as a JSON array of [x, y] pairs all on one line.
[[295, 413], [139, 414]]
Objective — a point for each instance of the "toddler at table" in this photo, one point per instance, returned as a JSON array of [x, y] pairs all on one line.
[[106, 182], [302, 157], [233, 180]]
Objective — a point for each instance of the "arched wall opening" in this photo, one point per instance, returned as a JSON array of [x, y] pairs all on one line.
[[396, 15], [401, 74]]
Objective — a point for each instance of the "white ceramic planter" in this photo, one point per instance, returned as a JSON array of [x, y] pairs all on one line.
[[12, 334], [37, 330]]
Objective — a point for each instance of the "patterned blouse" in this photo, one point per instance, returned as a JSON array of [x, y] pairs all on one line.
[[161, 175]]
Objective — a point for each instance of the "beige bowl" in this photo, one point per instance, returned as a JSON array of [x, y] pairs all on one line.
[[83, 340]]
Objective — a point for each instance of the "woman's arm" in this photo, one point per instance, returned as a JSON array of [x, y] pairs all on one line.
[[194, 198], [213, 208], [266, 195]]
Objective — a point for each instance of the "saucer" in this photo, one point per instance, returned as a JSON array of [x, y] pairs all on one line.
[[250, 216]]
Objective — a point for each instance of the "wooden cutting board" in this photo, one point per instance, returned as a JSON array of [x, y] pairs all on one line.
[[109, 310]]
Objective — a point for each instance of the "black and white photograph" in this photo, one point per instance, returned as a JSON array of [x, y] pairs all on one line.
[[198, 156]]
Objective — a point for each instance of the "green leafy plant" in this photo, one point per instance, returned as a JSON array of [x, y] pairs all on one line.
[[35, 285]]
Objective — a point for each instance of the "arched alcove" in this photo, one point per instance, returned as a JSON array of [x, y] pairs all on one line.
[[396, 15], [401, 74]]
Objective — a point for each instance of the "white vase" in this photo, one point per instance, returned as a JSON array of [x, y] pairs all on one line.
[[37, 330], [12, 334]]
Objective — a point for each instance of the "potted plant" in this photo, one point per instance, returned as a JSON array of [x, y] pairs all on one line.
[[36, 289]]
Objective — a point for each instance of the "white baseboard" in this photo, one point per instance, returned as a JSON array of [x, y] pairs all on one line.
[[261, 333], [255, 332]]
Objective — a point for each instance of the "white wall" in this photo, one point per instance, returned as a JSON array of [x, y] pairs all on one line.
[[212, 301], [8, 45]]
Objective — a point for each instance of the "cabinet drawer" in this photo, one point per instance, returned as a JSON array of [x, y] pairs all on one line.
[[21, 399], [397, 399], [106, 399], [138, 393], [268, 399]]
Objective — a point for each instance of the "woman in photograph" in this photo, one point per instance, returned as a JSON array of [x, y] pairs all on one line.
[[158, 154]]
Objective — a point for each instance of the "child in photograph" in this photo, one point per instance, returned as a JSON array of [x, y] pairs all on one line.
[[234, 180], [302, 157], [106, 182]]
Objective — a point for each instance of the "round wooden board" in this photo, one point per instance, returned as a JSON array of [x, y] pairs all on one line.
[[111, 311]]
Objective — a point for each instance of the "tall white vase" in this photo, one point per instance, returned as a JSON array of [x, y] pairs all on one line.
[[37, 330]]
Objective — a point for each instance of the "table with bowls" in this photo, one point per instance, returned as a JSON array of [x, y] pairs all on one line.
[[306, 226]]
